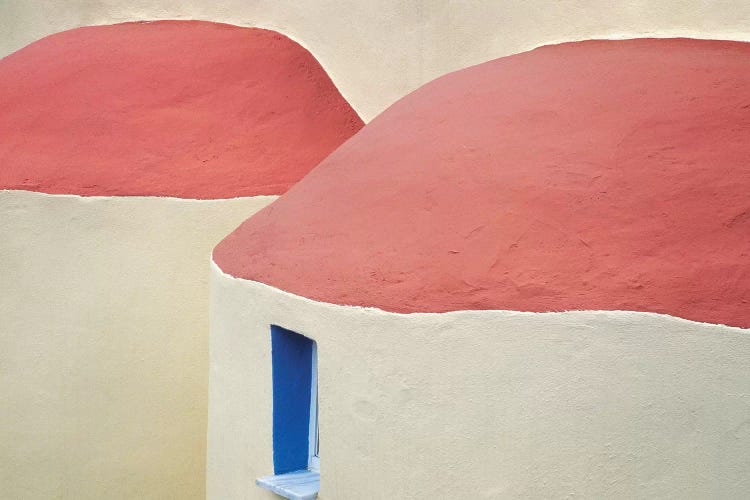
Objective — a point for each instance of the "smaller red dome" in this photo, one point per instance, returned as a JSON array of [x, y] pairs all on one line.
[[170, 108]]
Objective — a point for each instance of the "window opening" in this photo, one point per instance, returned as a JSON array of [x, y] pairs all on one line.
[[296, 437]]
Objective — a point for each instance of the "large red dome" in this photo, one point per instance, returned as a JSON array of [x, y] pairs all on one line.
[[600, 175], [171, 108]]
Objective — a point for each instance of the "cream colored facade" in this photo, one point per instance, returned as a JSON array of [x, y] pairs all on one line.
[[485, 404], [103, 315], [378, 51], [104, 343]]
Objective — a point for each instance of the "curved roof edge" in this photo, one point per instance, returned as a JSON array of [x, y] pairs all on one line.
[[186, 109]]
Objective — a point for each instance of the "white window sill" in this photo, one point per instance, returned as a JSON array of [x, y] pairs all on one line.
[[300, 485]]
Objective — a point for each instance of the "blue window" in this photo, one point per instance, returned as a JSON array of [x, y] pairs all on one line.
[[296, 459]]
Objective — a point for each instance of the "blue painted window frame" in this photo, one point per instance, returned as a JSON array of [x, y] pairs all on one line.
[[295, 405]]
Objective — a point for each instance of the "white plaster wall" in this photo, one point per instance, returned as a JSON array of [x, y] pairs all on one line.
[[486, 404], [379, 50], [103, 343]]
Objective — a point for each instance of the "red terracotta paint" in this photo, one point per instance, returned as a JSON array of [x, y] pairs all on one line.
[[604, 175], [170, 108]]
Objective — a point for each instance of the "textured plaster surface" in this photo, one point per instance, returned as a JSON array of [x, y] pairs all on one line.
[[173, 108], [485, 404], [590, 175], [378, 51], [103, 344]]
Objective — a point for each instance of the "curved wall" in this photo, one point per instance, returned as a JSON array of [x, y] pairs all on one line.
[[103, 343], [485, 404], [381, 50], [104, 299]]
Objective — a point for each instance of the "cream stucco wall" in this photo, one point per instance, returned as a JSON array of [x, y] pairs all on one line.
[[377, 51], [486, 404], [103, 344]]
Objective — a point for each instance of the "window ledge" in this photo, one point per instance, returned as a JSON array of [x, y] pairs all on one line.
[[300, 485]]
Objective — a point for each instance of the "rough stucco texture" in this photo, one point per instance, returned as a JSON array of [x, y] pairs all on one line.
[[485, 404], [184, 109], [595, 175]]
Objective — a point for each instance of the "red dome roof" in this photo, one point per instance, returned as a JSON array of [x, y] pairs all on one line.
[[170, 108], [601, 175]]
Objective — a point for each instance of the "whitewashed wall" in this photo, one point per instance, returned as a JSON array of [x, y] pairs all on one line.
[[485, 404], [104, 344]]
